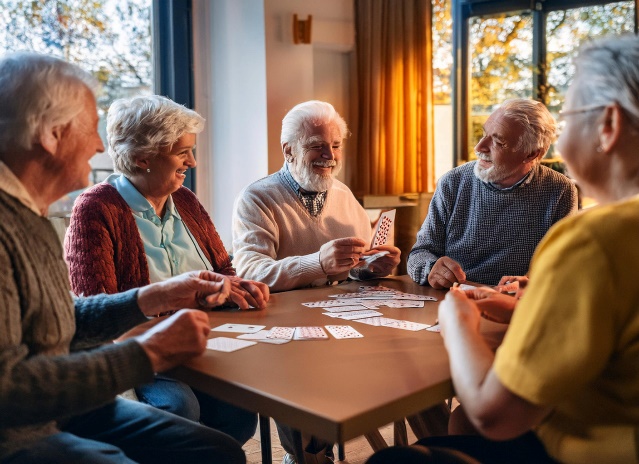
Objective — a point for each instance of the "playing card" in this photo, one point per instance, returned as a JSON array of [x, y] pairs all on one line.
[[227, 344], [310, 333], [343, 331], [285, 333], [434, 328], [382, 231], [408, 325], [377, 321], [239, 328], [375, 288], [466, 287], [400, 303], [411, 296], [393, 323], [368, 259], [262, 337], [327, 303], [350, 315], [341, 309]]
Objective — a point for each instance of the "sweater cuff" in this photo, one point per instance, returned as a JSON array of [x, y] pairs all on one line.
[[310, 266], [130, 363]]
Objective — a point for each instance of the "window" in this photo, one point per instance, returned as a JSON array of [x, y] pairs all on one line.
[[517, 48]]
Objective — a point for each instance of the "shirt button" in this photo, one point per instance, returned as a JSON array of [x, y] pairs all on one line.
[[161, 245]]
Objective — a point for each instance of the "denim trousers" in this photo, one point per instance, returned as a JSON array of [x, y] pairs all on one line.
[[180, 399], [131, 432]]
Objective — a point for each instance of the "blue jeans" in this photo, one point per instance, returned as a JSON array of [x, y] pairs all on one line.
[[131, 432], [178, 398]]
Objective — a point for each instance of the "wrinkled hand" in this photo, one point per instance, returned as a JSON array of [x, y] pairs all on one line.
[[457, 308], [248, 293], [341, 255], [176, 339], [523, 280], [445, 272], [385, 264], [493, 305], [196, 289]]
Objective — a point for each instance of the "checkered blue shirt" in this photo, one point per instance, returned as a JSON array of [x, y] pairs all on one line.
[[312, 201]]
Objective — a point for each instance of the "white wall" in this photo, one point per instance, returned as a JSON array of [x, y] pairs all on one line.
[[230, 92]]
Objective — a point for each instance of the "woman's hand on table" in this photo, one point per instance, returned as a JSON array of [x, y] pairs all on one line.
[[248, 293]]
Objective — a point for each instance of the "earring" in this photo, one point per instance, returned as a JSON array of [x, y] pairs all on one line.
[[148, 169], [599, 149]]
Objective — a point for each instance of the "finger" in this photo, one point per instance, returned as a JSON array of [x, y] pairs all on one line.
[[350, 241]]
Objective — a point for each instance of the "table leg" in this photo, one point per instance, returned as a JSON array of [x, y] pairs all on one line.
[[400, 433], [341, 452], [299, 447], [430, 422], [265, 440], [376, 440]]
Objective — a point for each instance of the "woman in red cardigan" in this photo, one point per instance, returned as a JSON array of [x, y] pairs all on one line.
[[141, 226]]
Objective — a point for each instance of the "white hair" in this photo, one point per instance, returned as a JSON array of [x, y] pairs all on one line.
[[607, 71], [298, 121], [540, 128], [37, 93], [139, 127]]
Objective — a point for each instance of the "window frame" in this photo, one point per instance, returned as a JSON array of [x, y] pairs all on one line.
[[173, 57], [462, 11]]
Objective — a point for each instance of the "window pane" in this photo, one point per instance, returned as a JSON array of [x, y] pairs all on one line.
[[500, 53], [566, 30], [109, 38]]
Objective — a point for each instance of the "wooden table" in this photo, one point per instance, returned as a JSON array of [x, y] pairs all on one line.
[[334, 389]]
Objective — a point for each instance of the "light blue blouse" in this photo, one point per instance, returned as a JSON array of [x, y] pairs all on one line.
[[169, 246]]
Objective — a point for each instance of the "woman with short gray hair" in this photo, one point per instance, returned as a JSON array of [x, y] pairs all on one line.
[[142, 226]]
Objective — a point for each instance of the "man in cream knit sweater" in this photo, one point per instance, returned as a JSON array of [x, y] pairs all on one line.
[[301, 227]]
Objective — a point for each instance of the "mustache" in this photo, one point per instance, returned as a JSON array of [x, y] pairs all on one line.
[[325, 163]]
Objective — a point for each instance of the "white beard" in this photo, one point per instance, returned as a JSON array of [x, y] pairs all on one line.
[[493, 174], [309, 180]]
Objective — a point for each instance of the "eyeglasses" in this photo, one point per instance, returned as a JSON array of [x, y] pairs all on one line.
[[561, 124], [585, 109]]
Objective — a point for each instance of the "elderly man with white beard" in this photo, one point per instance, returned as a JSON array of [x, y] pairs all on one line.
[[300, 226], [487, 216]]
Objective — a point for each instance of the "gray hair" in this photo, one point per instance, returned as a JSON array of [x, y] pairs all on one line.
[[540, 128], [37, 93], [137, 128], [607, 71], [302, 117]]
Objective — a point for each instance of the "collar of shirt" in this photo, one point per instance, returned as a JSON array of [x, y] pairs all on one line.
[[313, 202], [523, 181], [12, 185], [137, 202]]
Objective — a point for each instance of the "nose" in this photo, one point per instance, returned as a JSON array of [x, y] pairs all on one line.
[[328, 153], [190, 160], [100, 145], [482, 145]]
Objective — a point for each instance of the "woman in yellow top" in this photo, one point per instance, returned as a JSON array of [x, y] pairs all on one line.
[[564, 385]]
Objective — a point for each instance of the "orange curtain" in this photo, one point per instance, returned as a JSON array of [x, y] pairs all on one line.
[[395, 103]]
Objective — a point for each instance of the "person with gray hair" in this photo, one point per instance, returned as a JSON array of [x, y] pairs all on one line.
[[59, 375], [301, 227], [563, 385], [141, 226], [487, 216]]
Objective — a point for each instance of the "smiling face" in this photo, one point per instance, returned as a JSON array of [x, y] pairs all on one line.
[[168, 168], [317, 159], [499, 158]]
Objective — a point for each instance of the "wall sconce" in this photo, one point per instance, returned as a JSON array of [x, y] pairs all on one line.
[[302, 30]]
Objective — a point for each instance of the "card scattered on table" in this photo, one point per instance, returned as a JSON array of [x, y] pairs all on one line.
[[262, 337], [434, 328], [343, 331], [393, 323], [285, 333], [227, 344], [239, 328], [310, 333], [350, 315]]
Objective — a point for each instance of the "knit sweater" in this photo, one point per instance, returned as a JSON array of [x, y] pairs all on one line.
[[489, 232], [40, 381], [105, 252], [277, 241]]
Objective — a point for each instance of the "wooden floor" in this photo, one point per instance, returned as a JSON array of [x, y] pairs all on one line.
[[357, 450]]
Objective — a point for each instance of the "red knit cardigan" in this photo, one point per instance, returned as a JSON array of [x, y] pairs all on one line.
[[104, 250]]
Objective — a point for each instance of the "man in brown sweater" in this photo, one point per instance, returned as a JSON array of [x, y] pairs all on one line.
[[57, 404]]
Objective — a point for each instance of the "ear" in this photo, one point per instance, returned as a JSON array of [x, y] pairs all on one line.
[[50, 139], [142, 163], [611, 127], [533, 156], [287, 151]]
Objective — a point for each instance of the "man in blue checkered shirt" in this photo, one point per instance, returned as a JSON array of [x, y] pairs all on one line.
[[487, 216]]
